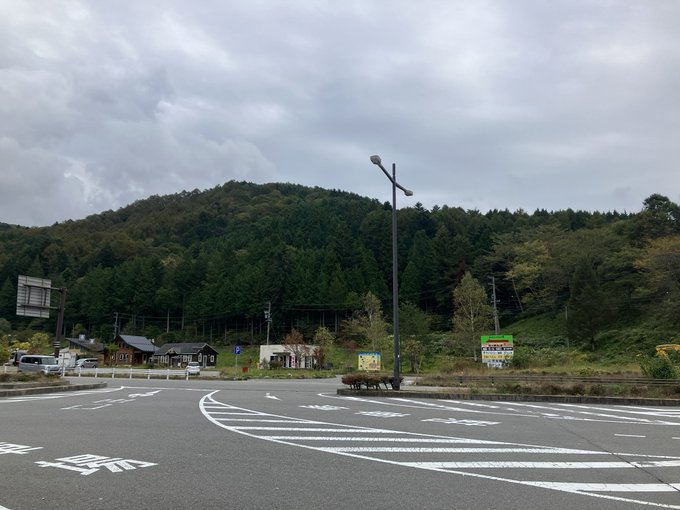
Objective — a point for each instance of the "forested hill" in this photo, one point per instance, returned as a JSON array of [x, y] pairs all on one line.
[[215, 259]]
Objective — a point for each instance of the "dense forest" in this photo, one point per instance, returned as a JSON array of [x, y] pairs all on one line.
[[207, 264]]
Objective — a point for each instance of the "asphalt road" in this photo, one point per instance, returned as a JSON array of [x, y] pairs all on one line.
[[272, 444]]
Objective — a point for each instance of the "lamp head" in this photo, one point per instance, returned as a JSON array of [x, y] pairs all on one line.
[[408, 192], [376, 160]]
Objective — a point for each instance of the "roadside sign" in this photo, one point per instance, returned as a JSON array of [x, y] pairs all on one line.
[[497, 350], [369, 361], [33, 297], [237, 350]]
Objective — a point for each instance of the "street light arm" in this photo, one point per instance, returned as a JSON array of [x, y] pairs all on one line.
[[376, 161]]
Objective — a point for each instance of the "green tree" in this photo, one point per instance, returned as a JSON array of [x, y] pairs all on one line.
[[368, 323], [659, 263], [39, 343], [8, 299], [588, 309], [413, 351], [473, 315]]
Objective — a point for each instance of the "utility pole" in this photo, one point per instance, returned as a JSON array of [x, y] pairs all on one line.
[[268, 318], [497, 325], [60, 321], [115, 325]]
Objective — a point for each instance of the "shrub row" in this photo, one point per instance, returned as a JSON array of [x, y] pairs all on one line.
[[371, 381]]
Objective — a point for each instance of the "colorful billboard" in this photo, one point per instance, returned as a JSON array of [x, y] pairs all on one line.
[[497, 350]]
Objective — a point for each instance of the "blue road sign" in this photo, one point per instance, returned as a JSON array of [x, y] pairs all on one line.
[[237, 350]]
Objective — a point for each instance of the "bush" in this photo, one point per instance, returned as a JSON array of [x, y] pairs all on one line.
[[371, 381], [657, 367]]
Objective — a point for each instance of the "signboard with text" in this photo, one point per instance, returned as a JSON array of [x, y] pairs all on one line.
[[497, 350], [369, 361]]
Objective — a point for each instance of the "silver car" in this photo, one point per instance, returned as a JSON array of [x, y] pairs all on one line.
[[87, 363], [193, 368], [38, 363]]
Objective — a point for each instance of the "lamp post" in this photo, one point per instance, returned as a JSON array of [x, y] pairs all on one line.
[[396, 384]]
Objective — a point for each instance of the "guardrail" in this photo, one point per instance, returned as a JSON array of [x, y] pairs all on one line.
[[129, 373]]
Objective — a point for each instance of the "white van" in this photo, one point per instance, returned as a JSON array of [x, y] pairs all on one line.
[[38, 363]]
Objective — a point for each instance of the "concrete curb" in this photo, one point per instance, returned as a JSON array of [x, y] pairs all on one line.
[[567, 399], [18, 392]]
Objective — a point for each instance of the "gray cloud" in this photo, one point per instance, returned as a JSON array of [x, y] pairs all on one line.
[[482, 104]]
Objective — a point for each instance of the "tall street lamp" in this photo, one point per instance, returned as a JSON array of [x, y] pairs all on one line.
[[396, 383]]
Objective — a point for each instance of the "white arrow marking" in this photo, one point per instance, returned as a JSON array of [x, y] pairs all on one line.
[[149, 394], [272, 397]]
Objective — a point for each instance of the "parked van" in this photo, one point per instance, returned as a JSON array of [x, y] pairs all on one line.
[[38, 363]]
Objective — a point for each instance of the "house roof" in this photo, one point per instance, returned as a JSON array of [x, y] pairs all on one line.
[[183, 348], [88, 345], [141, 343]]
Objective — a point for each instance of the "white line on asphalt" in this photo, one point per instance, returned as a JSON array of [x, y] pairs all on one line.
[[306, 429], [542, 465], [258, 420], [629, 435], [387, 449], [608, 487], [381, 439], [230, 413], [409, 437]]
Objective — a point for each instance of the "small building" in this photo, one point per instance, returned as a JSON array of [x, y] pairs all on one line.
[[288, 355], [81, 347], [85, 347], [132, 350], [178, 354]]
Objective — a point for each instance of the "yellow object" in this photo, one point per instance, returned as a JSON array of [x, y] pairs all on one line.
[[663, 349]]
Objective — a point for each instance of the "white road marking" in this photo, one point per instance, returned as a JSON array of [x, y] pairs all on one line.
[[324, 408], [629, 435], [53, 396], [272, 397], [381, 414], [322, 438], [568, 412], [455, 421], [17, 449], [147, 394], [542, 465], [608, 487], [258, 420], [87, 464], [391, 449], [374, 439]]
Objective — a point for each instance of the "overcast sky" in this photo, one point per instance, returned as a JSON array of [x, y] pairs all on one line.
[[481, 104]]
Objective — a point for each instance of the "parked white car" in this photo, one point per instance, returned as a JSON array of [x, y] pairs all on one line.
[[193, 368], [38, 363]]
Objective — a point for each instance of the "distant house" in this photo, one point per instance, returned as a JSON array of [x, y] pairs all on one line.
[[178, 354], [289, 356], [81, 347], [86, 347], [132, 350]]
